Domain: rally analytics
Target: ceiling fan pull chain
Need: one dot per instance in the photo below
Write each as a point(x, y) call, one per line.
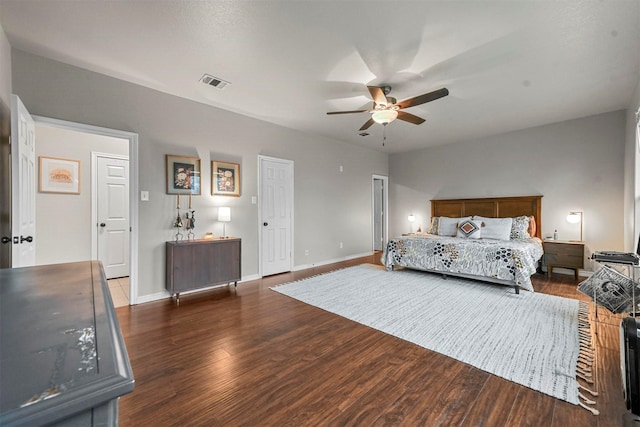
point(384, 133)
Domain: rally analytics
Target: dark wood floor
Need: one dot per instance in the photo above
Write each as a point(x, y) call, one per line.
point(254, 357)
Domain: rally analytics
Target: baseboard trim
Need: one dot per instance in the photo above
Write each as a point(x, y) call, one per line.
point(331, 261)
point(569, 272)
point(164, 295)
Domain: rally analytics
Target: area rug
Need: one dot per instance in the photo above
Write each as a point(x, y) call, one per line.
point(531, 339)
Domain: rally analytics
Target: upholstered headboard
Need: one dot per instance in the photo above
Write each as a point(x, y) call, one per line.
point(492, 207)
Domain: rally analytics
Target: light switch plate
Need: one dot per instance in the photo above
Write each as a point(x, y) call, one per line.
point(144, 196)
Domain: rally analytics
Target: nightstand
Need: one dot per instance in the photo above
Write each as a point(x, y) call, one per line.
point(564, 254)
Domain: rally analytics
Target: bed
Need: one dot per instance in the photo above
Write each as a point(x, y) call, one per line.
point(508, 259)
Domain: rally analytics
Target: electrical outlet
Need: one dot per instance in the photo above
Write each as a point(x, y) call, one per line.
point(341, 245)
point(306, 251)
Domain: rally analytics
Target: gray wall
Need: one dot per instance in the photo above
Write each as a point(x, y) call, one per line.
point(5, 68)
point(632, 176)
point(330, 207)
point(575, 165)
point(63, 221)
point(5, 157)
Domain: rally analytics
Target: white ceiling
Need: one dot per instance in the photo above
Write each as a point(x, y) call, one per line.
point(507, 64)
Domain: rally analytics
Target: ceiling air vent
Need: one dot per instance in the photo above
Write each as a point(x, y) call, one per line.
point(208, 79)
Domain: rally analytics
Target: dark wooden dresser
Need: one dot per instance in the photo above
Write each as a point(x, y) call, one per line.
point(63, 361)
point(197, 264)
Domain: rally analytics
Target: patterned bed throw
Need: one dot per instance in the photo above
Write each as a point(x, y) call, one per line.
point(511, 260)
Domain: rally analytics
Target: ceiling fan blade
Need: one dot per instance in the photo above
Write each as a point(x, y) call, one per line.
point(367, 125)
point(378, 95)
point(348, 112)
point(421, 99)
point(408, 117)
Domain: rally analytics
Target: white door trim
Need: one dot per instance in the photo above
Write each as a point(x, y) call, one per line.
point(385, 209)
point(133, 185)
point(291, 163)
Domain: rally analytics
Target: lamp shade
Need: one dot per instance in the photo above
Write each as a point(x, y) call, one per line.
point(574, 217)
point(224, 214)
point(411, 218)
point(384, 116)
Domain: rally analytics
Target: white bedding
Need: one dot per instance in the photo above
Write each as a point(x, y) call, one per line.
point(509, 261)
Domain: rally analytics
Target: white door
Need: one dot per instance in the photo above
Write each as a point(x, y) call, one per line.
point(23, 185)
point(276, 214)
point(379, 209)
point(378, 215)
point(113, 215)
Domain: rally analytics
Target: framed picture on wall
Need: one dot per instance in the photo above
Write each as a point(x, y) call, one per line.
point(225, 178)
point(183, 175)
point(59, 175)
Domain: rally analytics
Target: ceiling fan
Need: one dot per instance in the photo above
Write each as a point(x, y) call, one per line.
point(386, 109)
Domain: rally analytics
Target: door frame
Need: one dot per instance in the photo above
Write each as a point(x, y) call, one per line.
point(291, 234)
point(94, 198)
point(133, 187)
point(385, 209)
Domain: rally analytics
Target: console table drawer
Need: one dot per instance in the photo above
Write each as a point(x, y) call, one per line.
point(196, 264)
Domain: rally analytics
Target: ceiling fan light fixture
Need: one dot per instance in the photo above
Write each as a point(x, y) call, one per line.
point(384, 116)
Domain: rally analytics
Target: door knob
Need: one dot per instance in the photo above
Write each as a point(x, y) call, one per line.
point(265, 224)
point(28, 239)
point(6, 239)
point(102, 224)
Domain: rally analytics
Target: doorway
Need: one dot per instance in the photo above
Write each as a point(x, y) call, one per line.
point(110, 213)
point(379, 209)
point(84, 139)
point(275, 196)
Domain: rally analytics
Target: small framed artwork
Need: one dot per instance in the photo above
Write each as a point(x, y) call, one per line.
point(183, 175)
point(59, 175)
point(225, 179)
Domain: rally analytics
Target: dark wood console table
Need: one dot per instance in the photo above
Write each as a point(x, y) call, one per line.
point(197, 264)
point(62, 356)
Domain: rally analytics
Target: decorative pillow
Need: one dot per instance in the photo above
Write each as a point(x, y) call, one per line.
point(449, 226)
point(610, 289)
point(495, 228)
point(532, 226)
point(469, 228)
point(433, 228)
point(520, 227)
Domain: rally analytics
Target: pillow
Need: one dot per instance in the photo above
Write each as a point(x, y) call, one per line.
point(532, 226)
point(469, 228)
point(449, 226)
point(433, 228)
point(610, 289)
point(495, 228)
point(520, 227)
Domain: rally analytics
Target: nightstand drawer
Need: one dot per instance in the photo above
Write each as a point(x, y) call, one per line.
point(564, 260)
point(563, 249)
